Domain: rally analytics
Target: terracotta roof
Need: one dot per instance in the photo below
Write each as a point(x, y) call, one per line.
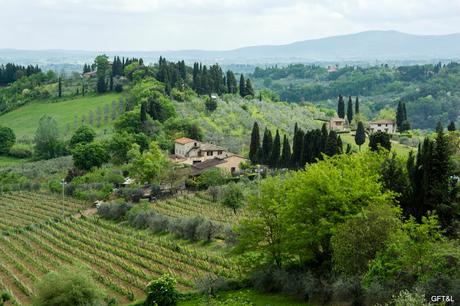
point(184, 140)
point(198, 168)
point(210, 147)
point(337, 119)
point(380, 121)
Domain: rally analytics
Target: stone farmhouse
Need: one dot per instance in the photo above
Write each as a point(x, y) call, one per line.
point(338, 124)
point(202, 156)
point(382, 125)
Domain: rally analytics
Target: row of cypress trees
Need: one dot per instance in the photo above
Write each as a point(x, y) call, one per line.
point(307, 147)
point(349, 110)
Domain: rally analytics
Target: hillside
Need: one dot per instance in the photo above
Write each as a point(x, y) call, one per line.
point(24, 120)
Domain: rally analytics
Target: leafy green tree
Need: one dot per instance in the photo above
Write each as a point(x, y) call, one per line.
point(341, 107)
point(149, 166)
point(102, 70)
point(211, 177)
point(83, 134)
point(254, 147)
point(128, 122)
point(379, 139)
point(350, 110)
point(47, 138)
point(233, 196)
point(89, 155)
point(162, 292)
point(356, 242)
point(7, 139)
point(119, 146)
point(360, 135)
point(68, 287)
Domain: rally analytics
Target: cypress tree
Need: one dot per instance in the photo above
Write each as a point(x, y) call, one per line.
point(111, 83)
point(59, 87)
point(267, 146)
point(331, 144)
point(451, 127)
point(341, 107)
point(242, 86)
point(324, 136)
point(286, 153)
point(143, 113)
point(360, 136)
point(400, 116)
point(350, 110)
point(297, 148)
point(379, 138)
point(276, 150)
point(357, 105)
point(307, 150)
point(339, 145)
point(255, 143)
point(249, 91)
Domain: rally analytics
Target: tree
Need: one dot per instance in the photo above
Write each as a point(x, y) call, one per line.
point(267, 147)
point(357, 105)
point(7, 139)
point(254, 147)
point(102, 70)
point(360, 135)
point(211, 177)
point(147, 167)
point(4, 297)
point(83, 134)
point(211, 104)
point(276, 151)
point(286, 153)
point(47, 138)
point(119, 146)
point(332, 147)
point(379, 139)
point(68, 287)
point(249, 91)
point(59, 87)
point(451, 127)
point(233, 196)
point(162, 292)
point(401, 117)
point(242, 86)
point(350, 110)
point(143, 114)
point(341, 107)
point(88, 155)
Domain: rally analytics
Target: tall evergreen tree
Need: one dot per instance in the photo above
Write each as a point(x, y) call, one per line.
point(324, 136)
point(276, 151)
point(402, 122)
point(267, 146)
point(350, 110)
point(242, 86)
point(451, 127)
point(286, 153)
point(255, 144)
point(297, 148)
point(339, 145)
point(379, 139)
point(360, 135)
point(143, 114)
point(341, 107)
point(248, 88)
point(59, 87)
point(357, 105)
point(331, 144)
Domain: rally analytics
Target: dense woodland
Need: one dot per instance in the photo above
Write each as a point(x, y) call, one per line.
point(429, 91)
point(309, 216)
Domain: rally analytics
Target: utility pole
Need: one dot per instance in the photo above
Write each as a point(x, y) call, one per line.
point(63, 183)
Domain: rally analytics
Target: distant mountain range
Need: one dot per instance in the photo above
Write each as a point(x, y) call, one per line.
point(364, 46)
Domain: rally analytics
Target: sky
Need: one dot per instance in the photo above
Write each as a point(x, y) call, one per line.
point(141, 25)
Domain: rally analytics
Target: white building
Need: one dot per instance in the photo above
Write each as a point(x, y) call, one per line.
point(382, 125)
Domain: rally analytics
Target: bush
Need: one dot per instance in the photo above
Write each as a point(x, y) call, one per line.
point(7, 139)
point(162, 292)
point(4, 297)
point(118, 88)
point(21, 151)
point(113, 211)
point(67, 287)
point(211, 284)
point(406, 298)
point(159, 223)
point(207, 230)
point(211, 177)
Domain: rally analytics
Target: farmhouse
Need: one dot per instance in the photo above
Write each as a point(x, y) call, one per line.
point(338, 124)
point(382, 125)
point(203, 156)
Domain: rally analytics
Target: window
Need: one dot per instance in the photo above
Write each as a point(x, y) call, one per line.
point(196, 161)
point(219, 152)
point(379, 124)
point(195, 144)
point(232, 169)
point(209, 153)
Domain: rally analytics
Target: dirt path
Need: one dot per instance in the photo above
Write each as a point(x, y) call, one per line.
point(86, 213)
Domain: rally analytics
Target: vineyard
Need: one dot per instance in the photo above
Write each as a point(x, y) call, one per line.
point(198, 204)
point(36, 239)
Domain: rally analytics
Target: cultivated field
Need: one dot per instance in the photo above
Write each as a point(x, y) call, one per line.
point(36, 239)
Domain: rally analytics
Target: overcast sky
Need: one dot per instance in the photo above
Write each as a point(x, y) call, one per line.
point(106, 25)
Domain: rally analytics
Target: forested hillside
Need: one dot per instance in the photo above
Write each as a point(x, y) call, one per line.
point(429, 91)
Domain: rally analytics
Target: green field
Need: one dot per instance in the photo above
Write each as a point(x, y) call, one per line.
point(10, 161)
point(24, 120)
point(400, 149)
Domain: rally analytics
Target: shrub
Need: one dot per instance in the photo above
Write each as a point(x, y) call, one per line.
point(207, 230)
point(211, 177)
point(159, 223)
point(67, 287)
point(118, 88)
point(4, 297)
point(21, 151)
point(211, 284)
point(113, 211)
point(162, 292)
point(7, 139)
point(83, 134)
point(406, 298)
